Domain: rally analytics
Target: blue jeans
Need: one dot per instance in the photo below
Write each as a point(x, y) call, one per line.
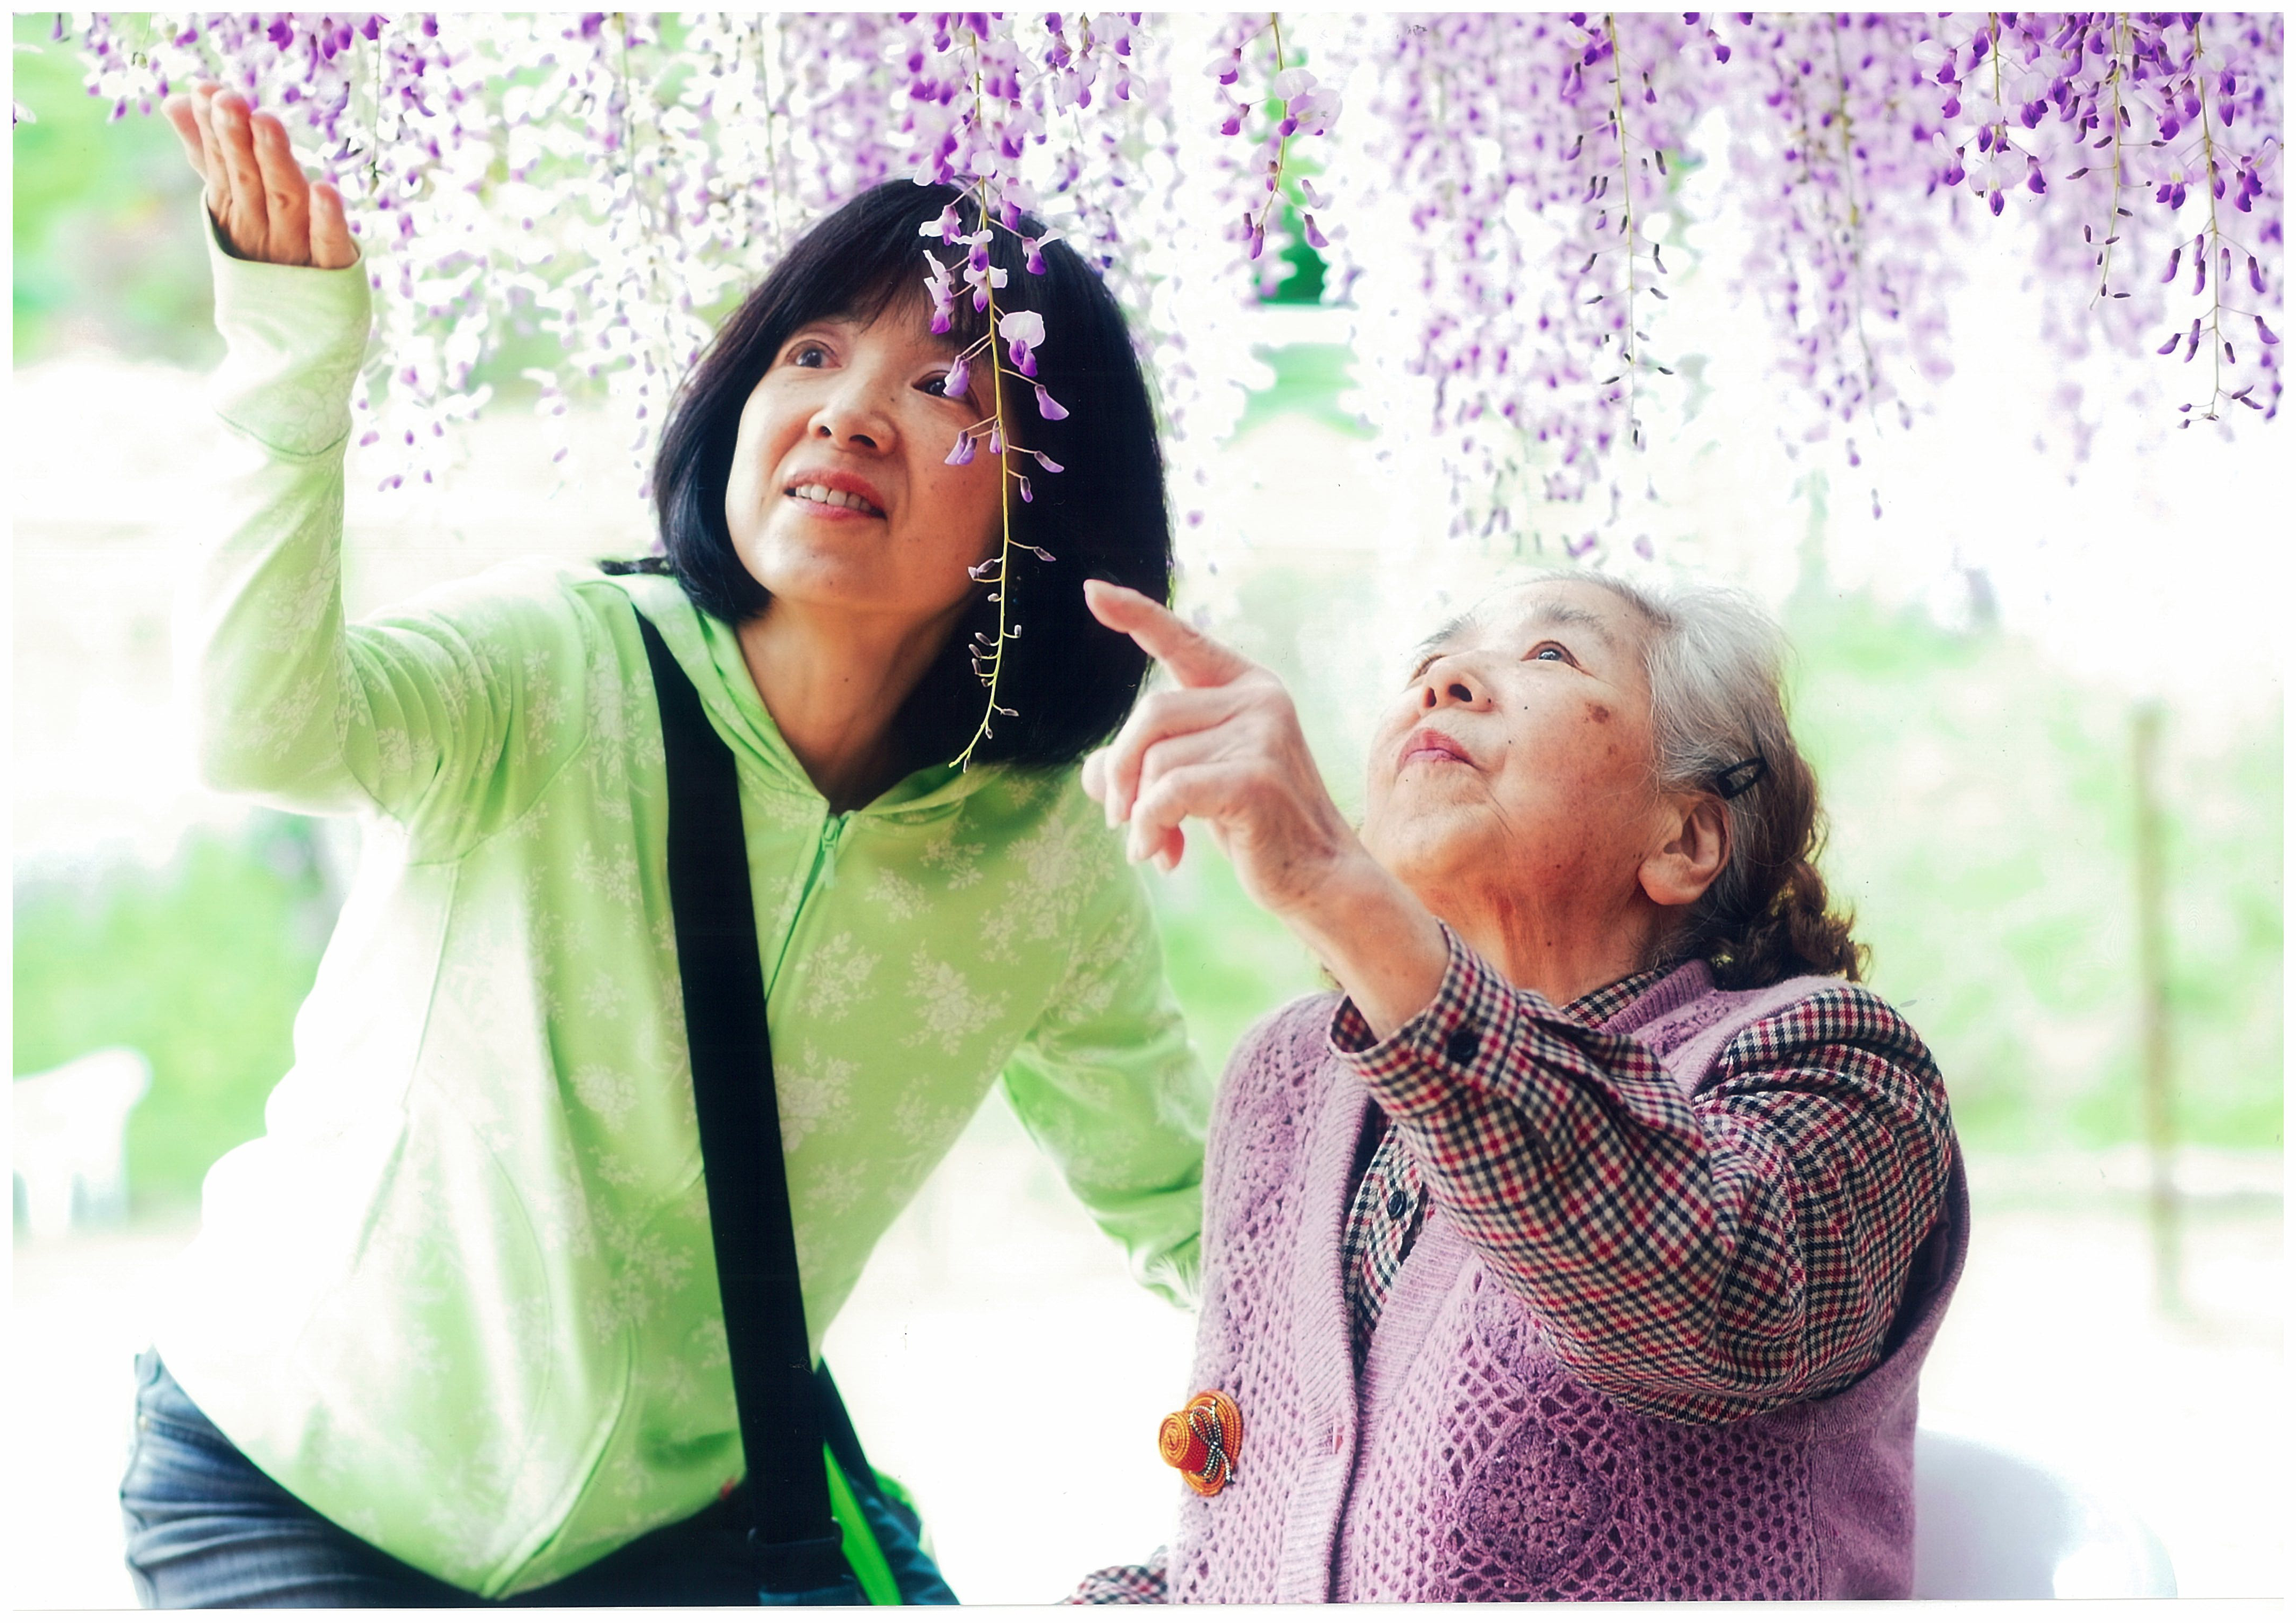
point(205, 1527)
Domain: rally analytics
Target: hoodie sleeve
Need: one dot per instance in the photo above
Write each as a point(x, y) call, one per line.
point(1109, 1087)
point(445, 717)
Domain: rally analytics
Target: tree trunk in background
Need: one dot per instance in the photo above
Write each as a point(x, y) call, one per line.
point(2155, 1071)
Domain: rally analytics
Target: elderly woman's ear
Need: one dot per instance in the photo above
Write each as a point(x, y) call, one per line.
point(1696, 844)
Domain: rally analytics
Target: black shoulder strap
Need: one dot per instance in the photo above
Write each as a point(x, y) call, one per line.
point(757, 1284)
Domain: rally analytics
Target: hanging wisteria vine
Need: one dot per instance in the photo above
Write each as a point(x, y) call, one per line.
point(1498, 205)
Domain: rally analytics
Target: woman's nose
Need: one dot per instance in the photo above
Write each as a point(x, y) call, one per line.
point(1455, 686)
point(852, 418)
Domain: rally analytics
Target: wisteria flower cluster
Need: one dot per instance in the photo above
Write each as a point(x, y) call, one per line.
point(1500, 202)
point(1249, 63)
point(1528, 157)
point(1508, 158)
point(977, 103)
point(2160, 136)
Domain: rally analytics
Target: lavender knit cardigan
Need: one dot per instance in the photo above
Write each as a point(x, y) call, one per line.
point(1468, 1463)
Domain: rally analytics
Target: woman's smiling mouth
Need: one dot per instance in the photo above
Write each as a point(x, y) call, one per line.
point(833, 499)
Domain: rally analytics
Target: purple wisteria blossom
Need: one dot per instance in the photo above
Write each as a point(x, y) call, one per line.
point(1496, 201)
point(1528, 157)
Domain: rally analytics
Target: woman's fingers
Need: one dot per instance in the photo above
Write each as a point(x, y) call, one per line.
point(331, 247)
point(247, 221)
point(1220, 775)
point(1179, 791)
point(1226, 746)
point(203, 114)
point(1193, 659)
point(261, 201)
point(286, 194)
point(1157, 718)
point(178, 111)
point(1149, 834)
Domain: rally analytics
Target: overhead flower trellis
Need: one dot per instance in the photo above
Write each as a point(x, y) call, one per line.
point(1493, 197)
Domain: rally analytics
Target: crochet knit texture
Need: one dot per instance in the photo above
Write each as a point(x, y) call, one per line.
point(1468, 1463)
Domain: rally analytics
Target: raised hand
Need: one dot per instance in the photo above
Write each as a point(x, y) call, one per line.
point(1224, 746)
point(265, 208)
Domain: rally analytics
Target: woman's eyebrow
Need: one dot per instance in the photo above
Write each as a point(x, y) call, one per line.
point(1567, 614)
point(1435, 640)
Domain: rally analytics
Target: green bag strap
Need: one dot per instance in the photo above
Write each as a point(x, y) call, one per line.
point(863, 1553)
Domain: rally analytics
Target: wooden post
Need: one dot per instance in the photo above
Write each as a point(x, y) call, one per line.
point(2155, 1067)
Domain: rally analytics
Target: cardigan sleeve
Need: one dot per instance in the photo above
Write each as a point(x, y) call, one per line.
point(1698, 1259)
point(1109, 1087)
point(447, 716)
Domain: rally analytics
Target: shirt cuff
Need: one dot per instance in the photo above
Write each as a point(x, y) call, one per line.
point(295, 336)
point(1460, 1040)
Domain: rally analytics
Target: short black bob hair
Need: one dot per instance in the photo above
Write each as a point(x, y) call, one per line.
point(1070, 679)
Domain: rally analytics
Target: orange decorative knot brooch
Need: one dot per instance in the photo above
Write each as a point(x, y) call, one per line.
point(1201, 1441)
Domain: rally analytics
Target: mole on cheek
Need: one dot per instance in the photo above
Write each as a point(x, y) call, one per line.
point(1599, 714)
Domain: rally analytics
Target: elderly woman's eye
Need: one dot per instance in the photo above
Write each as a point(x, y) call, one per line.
point(1550, 651)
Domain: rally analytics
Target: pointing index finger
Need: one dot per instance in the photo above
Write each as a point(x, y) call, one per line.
point(1193, 659)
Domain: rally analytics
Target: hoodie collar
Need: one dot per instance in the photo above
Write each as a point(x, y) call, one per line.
point(710, 652)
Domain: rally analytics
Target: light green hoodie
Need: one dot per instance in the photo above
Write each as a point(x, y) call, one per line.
point(459, 1298)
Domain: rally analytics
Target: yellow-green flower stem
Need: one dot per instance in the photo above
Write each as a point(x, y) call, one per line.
point(1003, 579)
point(1625, 217)
point(374, 135)
point(1857, 219)
point(1283, 142)
point(2000, 107)
point(773, 111)
point(2113, 215)
point(2215, 237)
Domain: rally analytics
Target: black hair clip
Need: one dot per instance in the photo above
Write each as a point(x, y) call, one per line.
point(1740, 777)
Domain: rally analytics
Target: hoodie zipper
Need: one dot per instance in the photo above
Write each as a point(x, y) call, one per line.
point(820, 875)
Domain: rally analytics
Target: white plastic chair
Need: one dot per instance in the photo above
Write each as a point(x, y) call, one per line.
point(1990, 1526)
point(70, 1145)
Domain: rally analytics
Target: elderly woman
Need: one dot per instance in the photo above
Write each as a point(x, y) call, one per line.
point(1587, 1245)
point(456, 1328)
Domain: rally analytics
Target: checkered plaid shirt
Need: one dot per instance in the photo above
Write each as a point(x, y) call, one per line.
point(1134, 1584)
point(1390, 1203)
point(1697, 1259)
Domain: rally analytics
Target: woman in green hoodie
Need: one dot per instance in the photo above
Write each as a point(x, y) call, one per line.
point(454, 1315)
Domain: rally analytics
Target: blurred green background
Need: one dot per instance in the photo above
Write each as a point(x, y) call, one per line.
point(1983, 798)
point(101, 254)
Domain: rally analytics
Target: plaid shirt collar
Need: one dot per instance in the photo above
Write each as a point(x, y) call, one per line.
point(1600, 1004)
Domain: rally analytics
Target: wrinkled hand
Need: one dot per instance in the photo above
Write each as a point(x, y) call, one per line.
point(1224, 746)
point(265, 208)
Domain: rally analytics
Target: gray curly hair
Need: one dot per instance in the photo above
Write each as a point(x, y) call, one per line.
point(1715, 661)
